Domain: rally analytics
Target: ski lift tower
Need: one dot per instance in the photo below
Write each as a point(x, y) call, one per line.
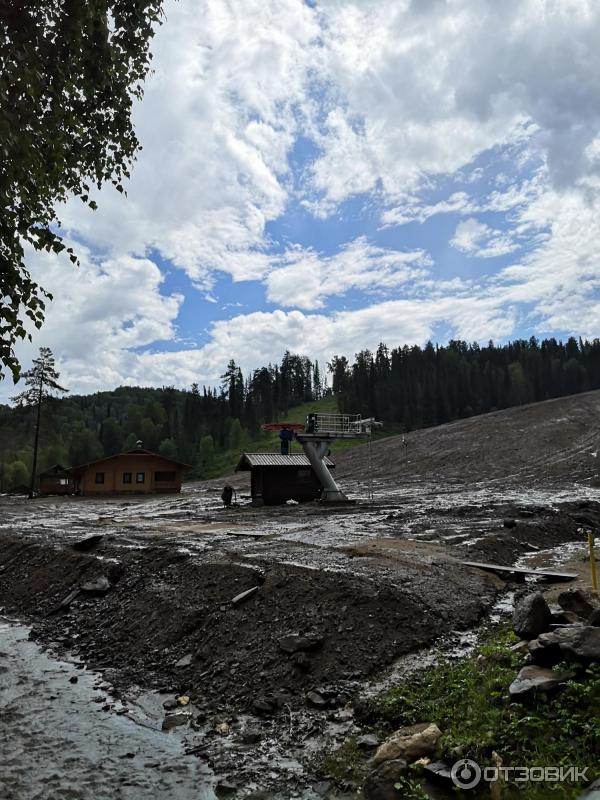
point(320, 431)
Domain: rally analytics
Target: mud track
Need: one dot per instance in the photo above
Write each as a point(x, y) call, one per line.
point(365, 583)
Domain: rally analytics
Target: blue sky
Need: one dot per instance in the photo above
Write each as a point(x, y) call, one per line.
point(324, 176)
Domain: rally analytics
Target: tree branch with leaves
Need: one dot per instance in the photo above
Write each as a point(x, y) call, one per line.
point(69, 74)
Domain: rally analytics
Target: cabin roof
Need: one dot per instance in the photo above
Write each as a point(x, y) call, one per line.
point(249, 461)
point(54, 470)
point(138, 451)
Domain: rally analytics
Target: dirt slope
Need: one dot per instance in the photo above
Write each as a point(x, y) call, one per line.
point(556, 441)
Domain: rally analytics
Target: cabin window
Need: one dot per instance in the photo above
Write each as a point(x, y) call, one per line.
point(127, 477)
point(140, 477)
point(99, 477)
point(164, 476)
point(63, 481)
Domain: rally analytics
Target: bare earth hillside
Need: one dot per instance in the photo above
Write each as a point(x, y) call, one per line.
point(556, 442)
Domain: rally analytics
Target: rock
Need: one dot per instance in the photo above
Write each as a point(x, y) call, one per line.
point(579, 641)
point(84, 545)
point(560, 617)
point(533, 679)
point(222, 728)
point(251, 736)
point(293, 642)
point(242, 596)
point(594, 618)
point(545, 650)
point(170, 704)
point(439, 771)
point(322, 788)
point(531, 616)
point(379, 784)
point(224, 788)
point(302, 661)
point(64, 603)
point(262, 706)
point(570, 618)
point(183, 700)
point(175, 720)
point(316, 700)
point(520, 647)
point(100, 585)
point(509, 523)
point(73, 679)
point(578, 601)
point(185, 661)
point(409, 743)
point(368, 741)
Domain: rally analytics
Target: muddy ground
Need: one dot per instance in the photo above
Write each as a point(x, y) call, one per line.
point(358, 586)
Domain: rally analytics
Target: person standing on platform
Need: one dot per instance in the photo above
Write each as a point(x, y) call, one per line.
point(285, 437)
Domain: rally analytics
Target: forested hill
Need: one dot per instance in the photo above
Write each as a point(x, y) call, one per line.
point(406, 387)
point(413, 387)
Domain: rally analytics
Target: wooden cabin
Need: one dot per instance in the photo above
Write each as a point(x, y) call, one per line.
point(137, 471)
point(275, 478)
point(56, 480)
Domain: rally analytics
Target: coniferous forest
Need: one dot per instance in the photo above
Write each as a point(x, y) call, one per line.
point(405, 387)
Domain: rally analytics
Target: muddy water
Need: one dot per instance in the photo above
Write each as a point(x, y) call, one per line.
point(56, 743)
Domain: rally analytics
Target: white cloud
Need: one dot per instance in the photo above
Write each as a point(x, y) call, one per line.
point(560, 277)
point(478, 239)
point(217, 121)
point(421, 90)
point(101, 311)
point(306, 278)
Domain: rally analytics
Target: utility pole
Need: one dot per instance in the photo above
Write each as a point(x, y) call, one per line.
point(36, 443)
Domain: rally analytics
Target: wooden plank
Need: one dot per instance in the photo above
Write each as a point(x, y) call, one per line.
point(522, 571)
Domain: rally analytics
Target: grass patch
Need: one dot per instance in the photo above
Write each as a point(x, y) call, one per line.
point(469, 702)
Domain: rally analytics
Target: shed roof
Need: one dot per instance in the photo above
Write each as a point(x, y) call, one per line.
point(250, 460)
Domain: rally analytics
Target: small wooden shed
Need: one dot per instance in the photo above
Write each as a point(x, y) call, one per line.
point(56, 480)
point(275, 478)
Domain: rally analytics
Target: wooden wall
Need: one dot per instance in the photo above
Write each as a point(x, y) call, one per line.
point(114, 469)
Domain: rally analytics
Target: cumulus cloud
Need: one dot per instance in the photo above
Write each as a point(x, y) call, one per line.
point(306, 278)
point(219, 116)
point(423, 89)
point(101, 313)
point(478, 239)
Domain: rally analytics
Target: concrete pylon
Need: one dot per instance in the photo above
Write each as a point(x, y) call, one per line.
point(316, 451)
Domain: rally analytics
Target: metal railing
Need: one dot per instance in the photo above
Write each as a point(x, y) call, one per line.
point(334, 423)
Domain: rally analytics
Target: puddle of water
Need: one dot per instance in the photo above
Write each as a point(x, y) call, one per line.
point(57, 742)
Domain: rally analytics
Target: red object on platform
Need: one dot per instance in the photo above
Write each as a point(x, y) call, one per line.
point(279, 426)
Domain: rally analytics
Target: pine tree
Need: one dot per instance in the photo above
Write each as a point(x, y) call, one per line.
point(41, 381)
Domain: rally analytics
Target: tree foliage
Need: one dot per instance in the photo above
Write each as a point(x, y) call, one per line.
point(41, 380)
point(414, 387)
point(69, 73)
point(42, 383)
